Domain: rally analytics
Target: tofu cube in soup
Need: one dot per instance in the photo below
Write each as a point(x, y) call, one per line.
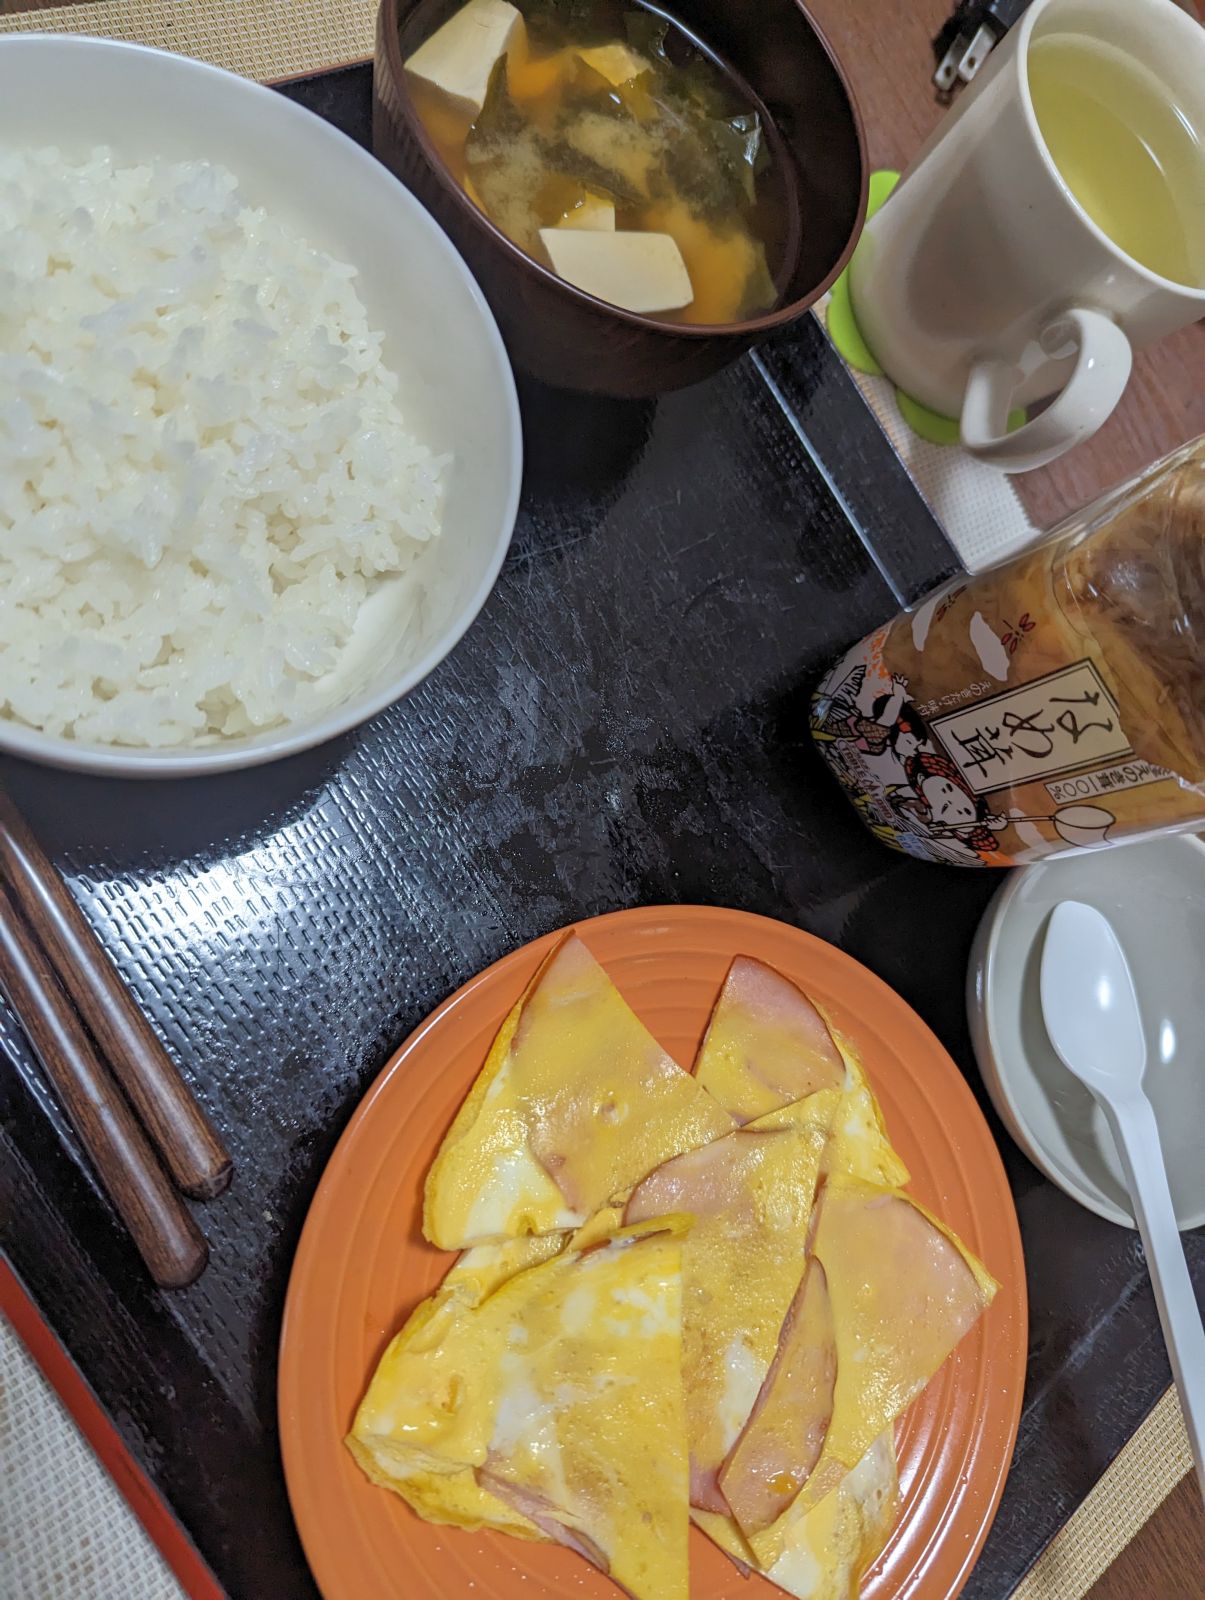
point(640, 272)
point(458, 58)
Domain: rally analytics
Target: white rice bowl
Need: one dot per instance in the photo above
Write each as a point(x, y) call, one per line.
point(204, 470)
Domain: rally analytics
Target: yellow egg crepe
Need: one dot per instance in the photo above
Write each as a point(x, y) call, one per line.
point(561, 1392)
point(899, 1292)
point(386, 1443)
point(768, 1045)
point(575, 1104)
point(750, 1195)
point(608, 1220)
point(827, 1549)
point(476, 1273)
point(859, 1147)
point(451, 1494)
point(679, 1296)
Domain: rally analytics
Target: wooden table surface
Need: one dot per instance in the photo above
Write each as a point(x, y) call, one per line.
point(884, 45)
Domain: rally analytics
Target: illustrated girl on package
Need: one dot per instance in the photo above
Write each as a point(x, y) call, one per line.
point(942, 801)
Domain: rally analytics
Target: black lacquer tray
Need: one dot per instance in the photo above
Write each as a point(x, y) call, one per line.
point(625, 724)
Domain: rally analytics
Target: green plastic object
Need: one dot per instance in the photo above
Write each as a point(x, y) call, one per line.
point(843, 330)
point(930, 425)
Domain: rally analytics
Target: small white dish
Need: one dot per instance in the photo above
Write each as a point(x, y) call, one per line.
point(440, 339)
point(1154, 895)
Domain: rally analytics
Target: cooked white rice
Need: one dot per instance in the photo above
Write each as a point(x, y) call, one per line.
point(204, 470)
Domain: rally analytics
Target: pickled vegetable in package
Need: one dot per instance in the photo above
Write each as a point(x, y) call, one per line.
point(1052, 704)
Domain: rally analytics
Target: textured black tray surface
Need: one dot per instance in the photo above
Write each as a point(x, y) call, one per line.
point(624, 725)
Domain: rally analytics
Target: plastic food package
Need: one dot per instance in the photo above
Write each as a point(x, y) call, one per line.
point(1054, 703)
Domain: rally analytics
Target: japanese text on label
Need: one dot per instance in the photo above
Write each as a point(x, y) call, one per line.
point(1060, 724)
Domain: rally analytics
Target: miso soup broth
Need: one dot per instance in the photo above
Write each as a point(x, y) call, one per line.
point(607, 143)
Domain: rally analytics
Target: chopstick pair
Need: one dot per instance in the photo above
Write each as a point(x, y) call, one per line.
point(90, 1036)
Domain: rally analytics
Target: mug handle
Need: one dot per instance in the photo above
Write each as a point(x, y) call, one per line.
point(1097, 381)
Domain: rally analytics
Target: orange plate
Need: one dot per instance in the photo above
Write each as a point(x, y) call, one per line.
point(363, 1264)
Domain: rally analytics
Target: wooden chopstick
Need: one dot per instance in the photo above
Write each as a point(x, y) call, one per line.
point(194, 1154)
point(168, 1239)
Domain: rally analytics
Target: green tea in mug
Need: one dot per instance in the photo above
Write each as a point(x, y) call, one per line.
point(1127, 152)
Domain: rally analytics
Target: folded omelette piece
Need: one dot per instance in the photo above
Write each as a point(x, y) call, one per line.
point(828, 1548)
point(384, 1437)
point(887, 1295)
point(767, 1045)
point(860, 1147)
point(750, 1195)
point(561, 1393)
point(576, 1102)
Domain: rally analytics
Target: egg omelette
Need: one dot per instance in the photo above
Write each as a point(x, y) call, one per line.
point(386, 1444)
point(576, 1102)
point(750, 1194)
point(886, 1295)
point(803, 1329)
point(827, 1548)
point(560, 1391)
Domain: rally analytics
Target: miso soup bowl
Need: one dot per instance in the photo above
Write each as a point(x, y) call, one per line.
point(566, 337)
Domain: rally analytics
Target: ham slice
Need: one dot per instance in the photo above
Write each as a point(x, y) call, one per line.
point(782, 1441)
point(766, 1044)
point(545, 1515)
point(750, 1195)
point(903, 1292)
point(575, 1103)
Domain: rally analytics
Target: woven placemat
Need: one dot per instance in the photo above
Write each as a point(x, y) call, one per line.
point(264, 39)
point(65, 1531)
point(1144, 1473)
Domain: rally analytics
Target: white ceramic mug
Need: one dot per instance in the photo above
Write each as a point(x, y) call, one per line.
point(982, 283)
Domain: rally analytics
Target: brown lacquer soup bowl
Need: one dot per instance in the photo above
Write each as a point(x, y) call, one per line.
point(566, 337)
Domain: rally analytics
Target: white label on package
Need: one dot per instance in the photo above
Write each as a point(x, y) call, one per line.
point(1064, 723)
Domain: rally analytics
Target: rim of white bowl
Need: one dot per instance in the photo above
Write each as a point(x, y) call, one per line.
point(981, 1018)
point(191, 761)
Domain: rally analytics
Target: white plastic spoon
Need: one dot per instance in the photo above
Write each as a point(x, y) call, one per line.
point(1093, 1020)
